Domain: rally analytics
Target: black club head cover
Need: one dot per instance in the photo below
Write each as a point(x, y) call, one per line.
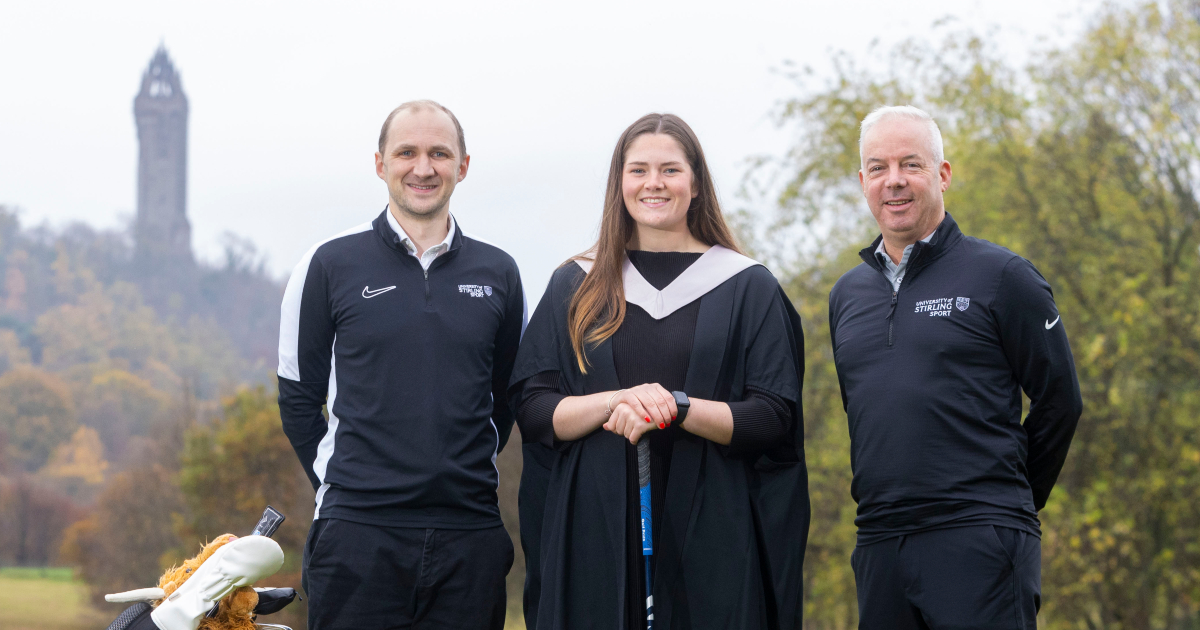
point(273, 600)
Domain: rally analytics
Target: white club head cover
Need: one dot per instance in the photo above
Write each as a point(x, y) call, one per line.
point(137, 595)
point(239, 563)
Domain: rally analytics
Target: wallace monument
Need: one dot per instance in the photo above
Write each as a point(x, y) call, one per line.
point(239, 296)
point(162, 235)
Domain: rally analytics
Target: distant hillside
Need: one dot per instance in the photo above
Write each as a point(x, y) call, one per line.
point(43, 269)
point(104, 365)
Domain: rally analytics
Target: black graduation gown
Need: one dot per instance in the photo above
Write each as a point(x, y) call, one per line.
point(733, 534)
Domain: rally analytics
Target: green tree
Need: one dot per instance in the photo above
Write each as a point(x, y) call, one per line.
point(1086, 163)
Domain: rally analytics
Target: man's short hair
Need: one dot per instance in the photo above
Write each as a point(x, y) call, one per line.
point(911, 113)
point(418, 105)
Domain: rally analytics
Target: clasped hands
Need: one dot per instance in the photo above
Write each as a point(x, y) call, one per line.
point(640, 409)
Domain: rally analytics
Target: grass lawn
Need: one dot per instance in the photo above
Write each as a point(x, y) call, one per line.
point(47, 599)
point(51, 599)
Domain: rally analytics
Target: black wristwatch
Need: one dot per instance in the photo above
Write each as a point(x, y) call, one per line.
point(682, 402)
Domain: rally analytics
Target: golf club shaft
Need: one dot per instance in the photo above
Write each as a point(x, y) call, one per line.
point(643, 455)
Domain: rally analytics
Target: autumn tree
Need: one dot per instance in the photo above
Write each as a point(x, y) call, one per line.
point(78, 466)
point(129, 538)
point(234, 467)
point(1086, 163)
point(33, 515)
point(122, 407)
point(36, 414)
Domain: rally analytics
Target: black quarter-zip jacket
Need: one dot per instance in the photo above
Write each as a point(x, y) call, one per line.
point(413, 365)
point(931, 378)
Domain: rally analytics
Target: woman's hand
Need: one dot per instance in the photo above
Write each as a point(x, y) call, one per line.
point(640, 409)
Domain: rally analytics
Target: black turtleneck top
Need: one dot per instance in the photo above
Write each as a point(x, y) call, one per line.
point(648, 350)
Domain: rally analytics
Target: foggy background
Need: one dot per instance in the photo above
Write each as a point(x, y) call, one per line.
point(138, 403)
point(286, 101)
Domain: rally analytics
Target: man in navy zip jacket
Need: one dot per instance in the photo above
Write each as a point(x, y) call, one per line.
point(935, 336)
point(406, 330)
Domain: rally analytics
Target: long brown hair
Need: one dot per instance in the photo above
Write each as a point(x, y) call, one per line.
point(598, 307)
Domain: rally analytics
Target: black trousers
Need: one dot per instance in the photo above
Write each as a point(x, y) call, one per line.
point(979, 577)
point(365, 576)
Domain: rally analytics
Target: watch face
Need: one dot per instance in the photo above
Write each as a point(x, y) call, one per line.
point(681, 399)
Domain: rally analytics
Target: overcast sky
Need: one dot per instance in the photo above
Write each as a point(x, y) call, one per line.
point(286, 101)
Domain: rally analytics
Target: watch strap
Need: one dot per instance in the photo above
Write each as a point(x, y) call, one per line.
point(683, 404)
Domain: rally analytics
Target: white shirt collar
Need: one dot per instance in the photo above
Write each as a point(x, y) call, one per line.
point(432, 252)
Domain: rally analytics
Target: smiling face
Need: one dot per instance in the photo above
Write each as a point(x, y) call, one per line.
point(657, 183)
point(421, 162)
point(902, 180)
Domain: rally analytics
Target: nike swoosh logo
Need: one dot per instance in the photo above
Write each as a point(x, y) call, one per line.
point(368, 293)
point(1050, 324)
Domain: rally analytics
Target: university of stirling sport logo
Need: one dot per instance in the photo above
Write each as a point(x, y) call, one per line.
point(942, 307)
point(475, 290)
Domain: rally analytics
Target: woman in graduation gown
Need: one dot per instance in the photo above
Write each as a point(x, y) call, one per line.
point(663, 303)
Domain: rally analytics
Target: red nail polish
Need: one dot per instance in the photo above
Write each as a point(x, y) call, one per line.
point(647, 419)
point(672, 417)
point(661, 425)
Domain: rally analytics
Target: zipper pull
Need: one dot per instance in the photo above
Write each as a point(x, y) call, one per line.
point(892, 311)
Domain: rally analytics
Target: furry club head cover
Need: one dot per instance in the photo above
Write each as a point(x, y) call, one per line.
point(220, 578)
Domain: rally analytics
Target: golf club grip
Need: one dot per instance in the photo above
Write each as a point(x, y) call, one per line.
point(643, 455)
point(270, 521)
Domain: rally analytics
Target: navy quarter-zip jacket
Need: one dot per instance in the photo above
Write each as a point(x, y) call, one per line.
point(413, 367)
point(931, 378)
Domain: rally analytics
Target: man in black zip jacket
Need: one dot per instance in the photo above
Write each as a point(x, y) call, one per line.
point(406, 330)
point(935, 336)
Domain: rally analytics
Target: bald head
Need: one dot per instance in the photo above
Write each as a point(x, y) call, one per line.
point(423, 105)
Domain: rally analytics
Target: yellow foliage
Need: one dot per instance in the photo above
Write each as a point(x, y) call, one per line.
point(12, 353)
point(81, 457)
point(36, 414)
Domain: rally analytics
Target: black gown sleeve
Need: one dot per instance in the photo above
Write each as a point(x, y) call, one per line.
point(540, 395)
point(760, 422)
point(774, 369)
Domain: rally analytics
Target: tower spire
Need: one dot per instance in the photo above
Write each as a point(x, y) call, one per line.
point(163, 235)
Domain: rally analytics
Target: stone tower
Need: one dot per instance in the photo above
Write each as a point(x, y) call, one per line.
point(163, 235)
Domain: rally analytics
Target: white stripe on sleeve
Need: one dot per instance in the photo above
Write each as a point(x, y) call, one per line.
point(326, 447)
point(289, 311)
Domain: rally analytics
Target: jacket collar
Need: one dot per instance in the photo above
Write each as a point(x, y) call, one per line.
point(392, 239)
point(947, 236)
